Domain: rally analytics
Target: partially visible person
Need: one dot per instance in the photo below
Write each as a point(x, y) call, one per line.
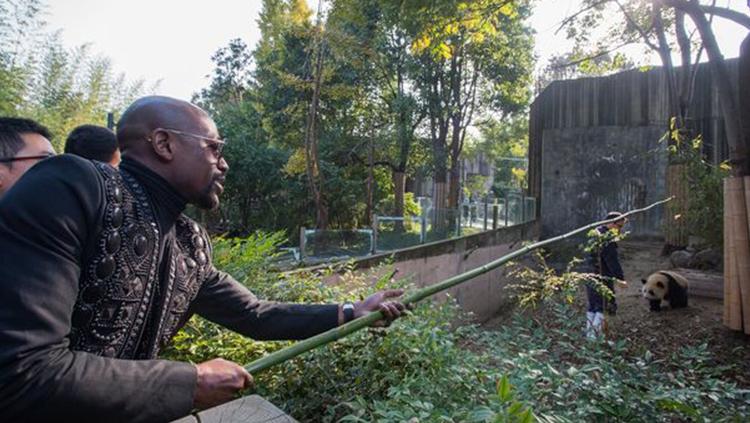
point(23, 142)
point(94, 143)
point(605, 262)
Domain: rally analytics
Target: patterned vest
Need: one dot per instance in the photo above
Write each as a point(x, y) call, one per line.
point(122, 309)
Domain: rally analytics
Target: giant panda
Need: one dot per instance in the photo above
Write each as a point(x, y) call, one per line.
point(665, 286)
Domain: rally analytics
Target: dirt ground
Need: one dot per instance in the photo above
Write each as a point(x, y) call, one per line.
point(663, 333)
point(666, 331)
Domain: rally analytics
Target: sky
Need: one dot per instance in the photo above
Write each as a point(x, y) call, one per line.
point(172, 41)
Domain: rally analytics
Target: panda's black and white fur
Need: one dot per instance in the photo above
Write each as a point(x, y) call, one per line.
point(665, 286)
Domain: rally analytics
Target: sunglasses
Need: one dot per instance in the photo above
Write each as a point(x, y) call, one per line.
point(19, 158)
point(216, 144)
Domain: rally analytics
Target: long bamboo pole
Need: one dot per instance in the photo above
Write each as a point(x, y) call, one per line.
point(308, 344)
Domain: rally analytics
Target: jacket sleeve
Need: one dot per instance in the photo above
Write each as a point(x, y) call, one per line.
point(226, 302)
point(612, 261)
point(45, 223)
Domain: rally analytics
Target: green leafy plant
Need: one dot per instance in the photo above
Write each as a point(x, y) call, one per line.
point(435, 367)
point(505, 407)
point(705, 205)
point(540, 282)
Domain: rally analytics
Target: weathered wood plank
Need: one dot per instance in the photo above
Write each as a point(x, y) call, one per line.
point(703, 284)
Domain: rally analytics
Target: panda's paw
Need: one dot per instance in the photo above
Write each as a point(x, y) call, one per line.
point(655, 305)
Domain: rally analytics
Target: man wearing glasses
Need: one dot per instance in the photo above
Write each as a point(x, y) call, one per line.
point(23, 143)
point(100, 268)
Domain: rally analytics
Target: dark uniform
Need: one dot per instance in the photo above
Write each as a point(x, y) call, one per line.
point(605, 262)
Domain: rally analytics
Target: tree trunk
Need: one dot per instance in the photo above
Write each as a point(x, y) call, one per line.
point(440, 173)
point(370, 180)
point(738, 148)
point(314, 174)
point(399, 183)
point(454, 186)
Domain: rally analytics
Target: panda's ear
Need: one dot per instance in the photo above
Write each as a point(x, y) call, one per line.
point(643, 281)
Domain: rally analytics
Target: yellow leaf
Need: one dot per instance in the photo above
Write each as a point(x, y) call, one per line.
point(508, 10)
point(477, 37)
point(421, 43)
point(443, 51)
point(451, 29)
point(297, 163)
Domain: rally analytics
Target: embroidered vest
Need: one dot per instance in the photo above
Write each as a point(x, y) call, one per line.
point(122, 309)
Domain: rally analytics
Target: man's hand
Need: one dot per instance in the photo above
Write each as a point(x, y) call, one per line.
point(218, 382)
point(383, 301)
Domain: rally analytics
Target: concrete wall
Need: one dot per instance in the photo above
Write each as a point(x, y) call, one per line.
point(590, 171)
point(594, 145)
point(435, 262)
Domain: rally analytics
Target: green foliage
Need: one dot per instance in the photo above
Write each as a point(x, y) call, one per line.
point(353, 379)
point(504, 142)
point(429, 367)
point(59, 87)
point(705, 206)
point(540, 282)
point(386, 206)
point(568, 379)
point(505, 408)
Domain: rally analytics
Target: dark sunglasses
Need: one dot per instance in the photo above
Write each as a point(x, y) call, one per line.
point(15, 159)
point(216, 144)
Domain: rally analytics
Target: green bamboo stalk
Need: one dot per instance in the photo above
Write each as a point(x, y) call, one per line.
point(308, 344)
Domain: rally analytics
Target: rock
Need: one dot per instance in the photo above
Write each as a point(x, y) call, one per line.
point(680, 258)
point(696, 242)
point(707, 259)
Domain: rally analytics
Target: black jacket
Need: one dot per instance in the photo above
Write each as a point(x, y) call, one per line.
point(606, 261)
point(99, 269)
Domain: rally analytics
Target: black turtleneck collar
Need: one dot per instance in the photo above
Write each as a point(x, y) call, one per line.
point(167, 203)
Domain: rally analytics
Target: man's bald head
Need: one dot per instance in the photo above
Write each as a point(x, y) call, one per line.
point(149, 113)
point(179, 142)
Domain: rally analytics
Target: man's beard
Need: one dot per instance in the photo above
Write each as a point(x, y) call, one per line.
point(209, 198)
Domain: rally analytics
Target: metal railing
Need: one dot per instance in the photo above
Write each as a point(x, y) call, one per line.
point(389, 233)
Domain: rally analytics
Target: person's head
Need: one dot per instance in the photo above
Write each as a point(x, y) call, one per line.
point(617, 224)
point(94, 143)
point(23, 143)
point(180, 142)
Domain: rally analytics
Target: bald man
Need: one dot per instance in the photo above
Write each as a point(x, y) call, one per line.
point(101, 268)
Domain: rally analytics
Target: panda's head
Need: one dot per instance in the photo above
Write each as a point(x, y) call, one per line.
point(655, 287)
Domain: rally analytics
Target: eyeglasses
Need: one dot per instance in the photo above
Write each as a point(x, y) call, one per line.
point(216, 144)
point(15, 159)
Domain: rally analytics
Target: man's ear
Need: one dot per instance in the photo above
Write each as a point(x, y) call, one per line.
point(161, 143)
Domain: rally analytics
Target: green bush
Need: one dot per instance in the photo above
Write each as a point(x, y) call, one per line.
point(428, 368)
point(569, 379)
point(705, 205)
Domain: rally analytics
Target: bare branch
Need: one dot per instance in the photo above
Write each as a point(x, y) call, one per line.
point(594, 56)
point(723, 12)
point(637, 27)
point(578, 13)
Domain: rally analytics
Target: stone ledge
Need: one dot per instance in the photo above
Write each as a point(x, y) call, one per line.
point(249, 409)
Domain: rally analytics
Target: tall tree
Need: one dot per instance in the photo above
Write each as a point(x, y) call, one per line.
point(373, 35)
point(474, 56)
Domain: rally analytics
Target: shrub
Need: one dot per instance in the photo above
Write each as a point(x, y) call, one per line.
point(428, 368)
